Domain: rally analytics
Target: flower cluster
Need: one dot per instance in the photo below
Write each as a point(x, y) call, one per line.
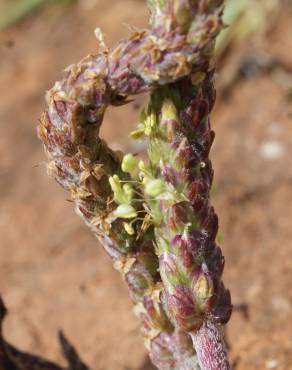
point(152, 217)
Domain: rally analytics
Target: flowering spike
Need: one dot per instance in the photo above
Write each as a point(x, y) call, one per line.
point(176, 51)
point(190, 263)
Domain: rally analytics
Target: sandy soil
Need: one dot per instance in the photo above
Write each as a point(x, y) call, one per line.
point(52, 272)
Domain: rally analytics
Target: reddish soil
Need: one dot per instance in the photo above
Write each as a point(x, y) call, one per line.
point(52, 272)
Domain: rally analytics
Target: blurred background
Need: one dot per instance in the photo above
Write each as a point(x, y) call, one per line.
point(52, 272)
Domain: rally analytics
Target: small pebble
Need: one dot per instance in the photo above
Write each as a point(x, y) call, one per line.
point(272, 150)
point(280, 304)
point(272, 364)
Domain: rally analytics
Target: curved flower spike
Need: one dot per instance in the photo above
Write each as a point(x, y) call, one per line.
point(179, 44)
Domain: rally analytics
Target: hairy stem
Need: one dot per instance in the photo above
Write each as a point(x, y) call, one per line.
point(209, 344)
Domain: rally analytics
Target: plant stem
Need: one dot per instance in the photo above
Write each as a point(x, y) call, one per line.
point(209, 344)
